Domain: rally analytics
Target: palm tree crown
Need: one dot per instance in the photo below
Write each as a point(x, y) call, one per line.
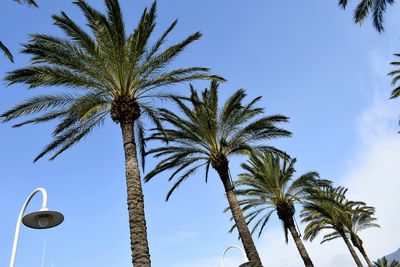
point(377, 8)
point(360, 218)
point(328, 208)
point(357, 217)
point(384, 263)
point(207, 135)
point(268, 186)
point(112, 73)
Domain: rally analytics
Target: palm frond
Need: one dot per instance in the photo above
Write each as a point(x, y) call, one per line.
point(6, 52)
point(379, 11)
point(28, 2)
point(106, 64)
point(268, 185)
point(203, 131)
point(328, 208)
point(385, 263)
point(375, 8)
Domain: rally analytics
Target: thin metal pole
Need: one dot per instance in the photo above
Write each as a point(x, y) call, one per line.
point(19, 221)
point(44, 252)
point(233, 246)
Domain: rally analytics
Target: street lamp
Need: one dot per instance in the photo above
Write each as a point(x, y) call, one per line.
point(246, 261)
point(42, 219)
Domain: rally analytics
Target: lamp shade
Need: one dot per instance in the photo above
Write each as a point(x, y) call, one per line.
point(43, 219)
point(246, 264)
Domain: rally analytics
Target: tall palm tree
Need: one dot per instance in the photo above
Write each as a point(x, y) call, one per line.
point(4, 48)
point(376, 8)
point(384, 263)
point(268, 186)
point(205, 135)
point(327, 209)
point(361, 218)
point(117, 74)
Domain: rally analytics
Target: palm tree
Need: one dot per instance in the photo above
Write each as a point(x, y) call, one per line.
point(361, 218)
point(268, 187)
point(207, 136)
point(362, 221)
point(4, 48)
point(117, 74)
point(367, 7)
point(384, 263)
point(328, 209)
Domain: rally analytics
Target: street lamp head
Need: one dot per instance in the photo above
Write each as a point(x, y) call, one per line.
point(246, 264)
point(43, 219)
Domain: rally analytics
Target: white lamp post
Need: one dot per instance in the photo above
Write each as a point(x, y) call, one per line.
point(42, 219)
point(246, 261)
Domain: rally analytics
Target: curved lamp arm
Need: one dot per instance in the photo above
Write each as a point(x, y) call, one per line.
point(21, 215)
point(231, 247)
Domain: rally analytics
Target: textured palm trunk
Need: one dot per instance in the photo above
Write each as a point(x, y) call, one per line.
point(137, 220)
point(357, 242)
point(244, 233)
point(300, 246)
point(351, 249)
point(362, 251)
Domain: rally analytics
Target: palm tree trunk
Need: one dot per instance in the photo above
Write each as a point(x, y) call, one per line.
point(351, 249)
point(241, 224)
point(137, 220)
point(362, 251)
point(357, 242)
point(300, 246)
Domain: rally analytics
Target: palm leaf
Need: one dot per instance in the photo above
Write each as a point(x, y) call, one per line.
point(106, 65)
point(6, 52)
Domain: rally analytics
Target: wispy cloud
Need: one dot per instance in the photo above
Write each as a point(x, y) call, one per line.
point(373, 175)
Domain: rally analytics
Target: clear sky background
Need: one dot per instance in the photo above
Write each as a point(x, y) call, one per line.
point(308, 61)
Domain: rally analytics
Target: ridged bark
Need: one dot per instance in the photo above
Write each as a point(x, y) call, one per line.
point(351, 249)
point(241, 224)
point(137, 220)
point(300, 246)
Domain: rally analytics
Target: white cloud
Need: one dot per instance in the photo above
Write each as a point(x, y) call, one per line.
point(373, 175)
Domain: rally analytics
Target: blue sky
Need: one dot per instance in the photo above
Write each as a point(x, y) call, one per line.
point(308, 61)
